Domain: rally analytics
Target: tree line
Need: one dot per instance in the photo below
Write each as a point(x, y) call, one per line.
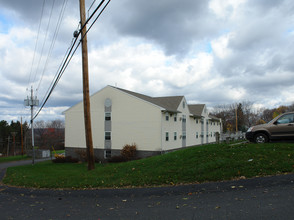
point(47, 135)
point(241, 116)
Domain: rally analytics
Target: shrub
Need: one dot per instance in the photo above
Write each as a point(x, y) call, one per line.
point(82, 154)
point(129, 151)
point(64, 159)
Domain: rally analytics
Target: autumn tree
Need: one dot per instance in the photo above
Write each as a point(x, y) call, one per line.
point(49, 134)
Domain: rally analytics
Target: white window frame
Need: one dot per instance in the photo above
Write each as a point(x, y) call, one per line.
point(166, 136)
point(105, 135)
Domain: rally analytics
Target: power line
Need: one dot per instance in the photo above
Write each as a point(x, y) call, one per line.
point(42, 11)
point(54, 39)
point(69, 55)
point(91, 6)
point(45, 40)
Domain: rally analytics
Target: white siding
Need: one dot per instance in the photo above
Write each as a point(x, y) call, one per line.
point(133, 121)
point(171, 126)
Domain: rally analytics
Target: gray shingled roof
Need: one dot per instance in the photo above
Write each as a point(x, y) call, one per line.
point(196, 109)
point(214, 118)
point(169, 103)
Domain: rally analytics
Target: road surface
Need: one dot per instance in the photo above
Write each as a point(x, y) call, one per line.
point(258, 198)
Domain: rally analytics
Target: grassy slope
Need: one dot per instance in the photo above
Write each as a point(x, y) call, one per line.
point(13, 158)
point(191, 165)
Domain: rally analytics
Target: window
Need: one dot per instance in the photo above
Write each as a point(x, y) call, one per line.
point(166, 116)
point(107, 154)
point(175, 136)
point(184, 118)
point(197, 135)
point(166, 136)
point(196, 121)
point(107, 116)
point(107, 135)
point(286, 119)
point(175, 117)
point(184, 104)
point(184, 135)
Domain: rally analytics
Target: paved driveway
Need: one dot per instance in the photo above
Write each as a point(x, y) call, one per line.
point(258, 198)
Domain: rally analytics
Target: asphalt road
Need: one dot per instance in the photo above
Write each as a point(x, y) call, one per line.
point(258, 198)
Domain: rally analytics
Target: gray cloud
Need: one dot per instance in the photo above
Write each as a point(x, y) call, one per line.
point(175, 25)
point(156, 48)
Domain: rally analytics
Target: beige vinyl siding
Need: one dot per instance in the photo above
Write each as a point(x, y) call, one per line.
point(133, 121)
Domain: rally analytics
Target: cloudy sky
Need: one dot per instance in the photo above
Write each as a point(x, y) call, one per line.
point(212, 52)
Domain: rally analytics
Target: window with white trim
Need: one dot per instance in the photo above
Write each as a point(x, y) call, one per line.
point(107, 116)
point(107, 135)
point(184, 135)
point(166, 136)
point(166, 116)
point(175, 136)
point(107, 154)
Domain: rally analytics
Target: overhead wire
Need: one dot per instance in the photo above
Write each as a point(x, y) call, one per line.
point(69, 55)
point(91, 6)
point(37, 39)
point(61, 14)
point(45, 40)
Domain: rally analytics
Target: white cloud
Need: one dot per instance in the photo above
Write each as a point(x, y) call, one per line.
point(226, 9)
point(220, 46)
point(213, 52)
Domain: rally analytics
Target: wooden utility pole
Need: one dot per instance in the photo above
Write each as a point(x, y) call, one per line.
point(87, 114)
point(13, 146)
point(237, 118)
point(8, 146)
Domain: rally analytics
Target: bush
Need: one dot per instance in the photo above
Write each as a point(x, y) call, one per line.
point(129, 151)
point(64, 159)
point(82, 154)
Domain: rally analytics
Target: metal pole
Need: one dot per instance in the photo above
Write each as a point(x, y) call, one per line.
point(32, 124)
point(87, 114)
point(21, 136)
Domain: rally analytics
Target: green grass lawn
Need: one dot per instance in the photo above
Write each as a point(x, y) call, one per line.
point(14, 158)
point(191, 165)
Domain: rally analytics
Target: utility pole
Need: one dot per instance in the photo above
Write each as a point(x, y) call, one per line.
point(21, 136)
point(8, 146)
point(32, 101)
point(237, 119)
point(86, 97)
point(13, 146)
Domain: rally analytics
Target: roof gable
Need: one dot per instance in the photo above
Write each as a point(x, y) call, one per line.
point(196, 109)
